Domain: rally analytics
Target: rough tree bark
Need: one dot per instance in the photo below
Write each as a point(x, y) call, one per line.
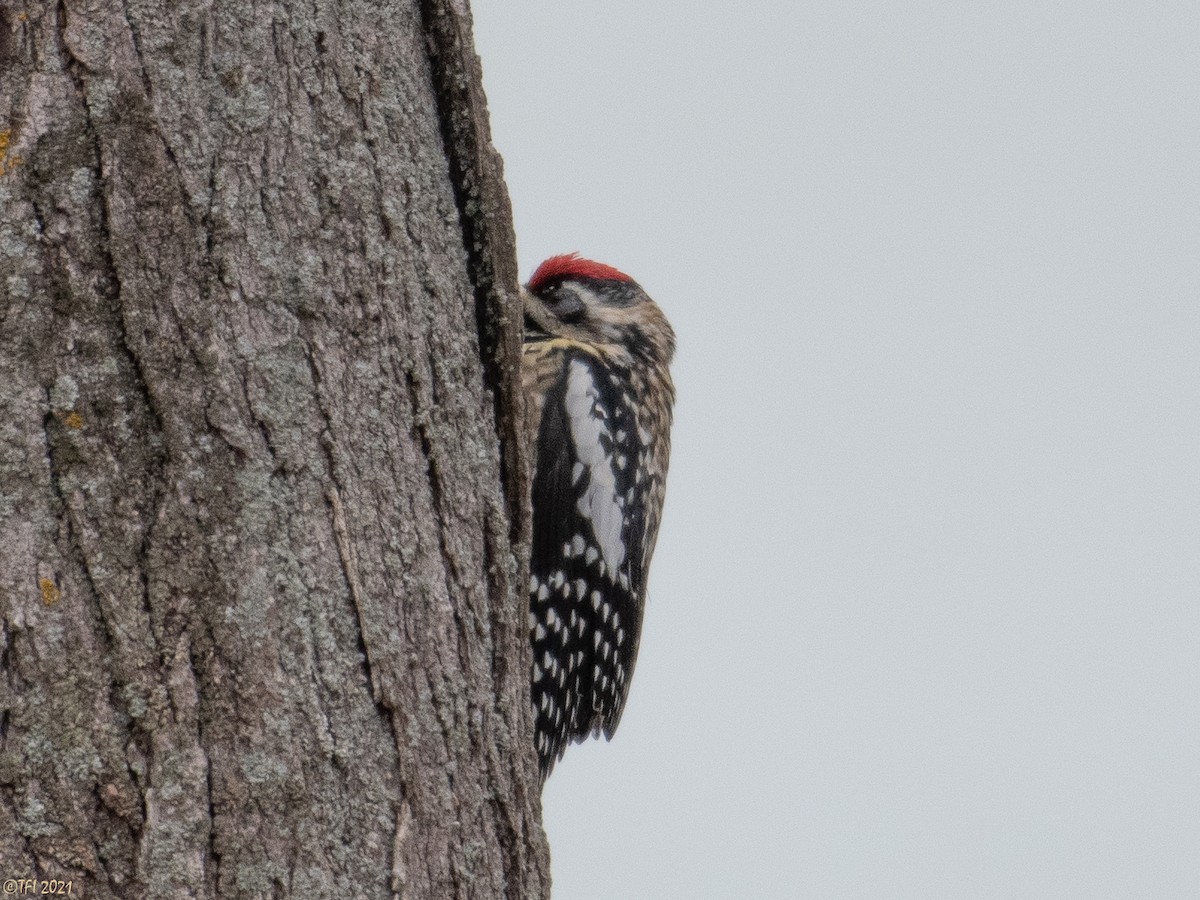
point(260, 549)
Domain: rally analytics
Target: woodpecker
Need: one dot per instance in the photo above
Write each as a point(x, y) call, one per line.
point(598, 401)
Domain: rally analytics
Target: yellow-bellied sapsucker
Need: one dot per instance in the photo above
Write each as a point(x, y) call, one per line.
point(598, 400)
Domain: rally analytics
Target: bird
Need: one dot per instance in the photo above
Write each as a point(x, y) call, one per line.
point(599, 400)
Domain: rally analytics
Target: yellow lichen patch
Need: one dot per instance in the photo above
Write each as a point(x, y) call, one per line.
point(50, 591)
point(7, 162)
point(74, 420)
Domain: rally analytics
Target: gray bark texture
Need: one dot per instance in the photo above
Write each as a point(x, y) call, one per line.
point(262, 506)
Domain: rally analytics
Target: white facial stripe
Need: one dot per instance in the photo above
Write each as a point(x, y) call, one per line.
point(585, 295)
point(599, 503)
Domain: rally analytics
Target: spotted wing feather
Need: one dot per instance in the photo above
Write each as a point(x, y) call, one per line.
point(590, 553)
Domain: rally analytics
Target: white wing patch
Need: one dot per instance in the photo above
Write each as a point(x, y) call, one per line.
point(599, 504)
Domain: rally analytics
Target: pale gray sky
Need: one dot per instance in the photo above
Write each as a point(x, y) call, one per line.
point(925, 614)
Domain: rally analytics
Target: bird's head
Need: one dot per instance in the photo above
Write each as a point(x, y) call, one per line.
point(593, 303)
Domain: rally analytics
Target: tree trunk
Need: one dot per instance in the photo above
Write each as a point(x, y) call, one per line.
point(260, 552)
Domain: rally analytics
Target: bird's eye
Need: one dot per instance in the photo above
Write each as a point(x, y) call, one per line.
point(566, 305)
